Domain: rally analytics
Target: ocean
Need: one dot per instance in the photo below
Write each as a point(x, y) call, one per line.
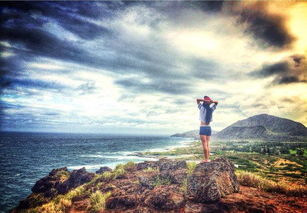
point(27, 157)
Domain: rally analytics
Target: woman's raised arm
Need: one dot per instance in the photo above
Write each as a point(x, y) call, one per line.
point(199, 100)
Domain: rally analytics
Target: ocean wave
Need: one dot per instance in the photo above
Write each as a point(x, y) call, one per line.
point(87, 167)
point(118, 157)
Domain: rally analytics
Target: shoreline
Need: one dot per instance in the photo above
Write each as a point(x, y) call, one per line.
point(141, 156)
point(83, 156)
point(171, 153)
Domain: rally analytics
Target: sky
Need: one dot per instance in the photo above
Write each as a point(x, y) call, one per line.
point(125, 67)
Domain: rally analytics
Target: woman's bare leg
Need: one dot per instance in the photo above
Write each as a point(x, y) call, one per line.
point(208, 145)
point(204, 142)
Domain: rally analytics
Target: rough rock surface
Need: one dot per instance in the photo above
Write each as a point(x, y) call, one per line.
point(165, 198)
point(49, 184)
point(76, 178)
point(103, 169)
point(213, 180)
point(58, 181)
point(169, 187)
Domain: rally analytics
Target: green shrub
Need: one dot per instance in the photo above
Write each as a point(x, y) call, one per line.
point(129, 166)
point(98, 200)
point(63, 175)
point(161, 181)
point(249, 179)
point(184, 185)
point(119, 166)
point(119, 172)
point(191, 166)
point(108, 175)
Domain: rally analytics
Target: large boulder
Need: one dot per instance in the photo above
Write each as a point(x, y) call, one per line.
point(122, 202)
point(47, 185)
point(163, 164)
point(103, 169)
point(174, 176)
point(45, 189)
point(60, 181)
point(76, 178)
point(166, 170)
point(165, 198)
point(168, 165)
point(148, 179)
point(146, 164)
point(212, 180)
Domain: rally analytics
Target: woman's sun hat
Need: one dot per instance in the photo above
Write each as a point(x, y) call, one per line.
point(206, 98)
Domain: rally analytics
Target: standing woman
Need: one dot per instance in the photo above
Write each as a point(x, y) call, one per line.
point(206, 109)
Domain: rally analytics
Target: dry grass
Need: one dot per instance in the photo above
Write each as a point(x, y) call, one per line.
point(60, 203)
point(250, 179)
point(191, 166)
point(98, 200)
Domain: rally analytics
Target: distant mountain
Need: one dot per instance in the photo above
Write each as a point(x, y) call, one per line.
point(188, 134)
point(263, 126)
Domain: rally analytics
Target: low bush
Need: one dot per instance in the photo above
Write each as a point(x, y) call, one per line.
point(98, 200)
point(249, 179)
point(191, 166)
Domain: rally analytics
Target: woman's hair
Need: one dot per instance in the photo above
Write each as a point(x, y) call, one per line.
point(206, 103)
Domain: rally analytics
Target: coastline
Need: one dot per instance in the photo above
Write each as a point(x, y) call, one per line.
point(176, 152)
point(71, 151)
point(140, 156)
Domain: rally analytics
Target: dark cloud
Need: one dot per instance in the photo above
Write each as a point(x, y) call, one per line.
point(6, 105)
point(70, 15)
point(272, 69)
point(169, 86)
point(288, 80)
point(30, 117)
point(266, 27)
point(204, 69)
point(173, 8)
point(25, 26)
point(298, 60)
point(40, 42)
point(214, 6)
point(289, 100)
point(24, 30)
point(4, 71)
point(290, 70)
point(38, 84)
point(22, 25)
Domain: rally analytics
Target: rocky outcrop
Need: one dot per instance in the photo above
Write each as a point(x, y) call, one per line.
point(155, 186)
point(58, 181)
point(213, 180)
point(76, 178)
point(50, 184)
point(166, 197)
point(103, 169)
